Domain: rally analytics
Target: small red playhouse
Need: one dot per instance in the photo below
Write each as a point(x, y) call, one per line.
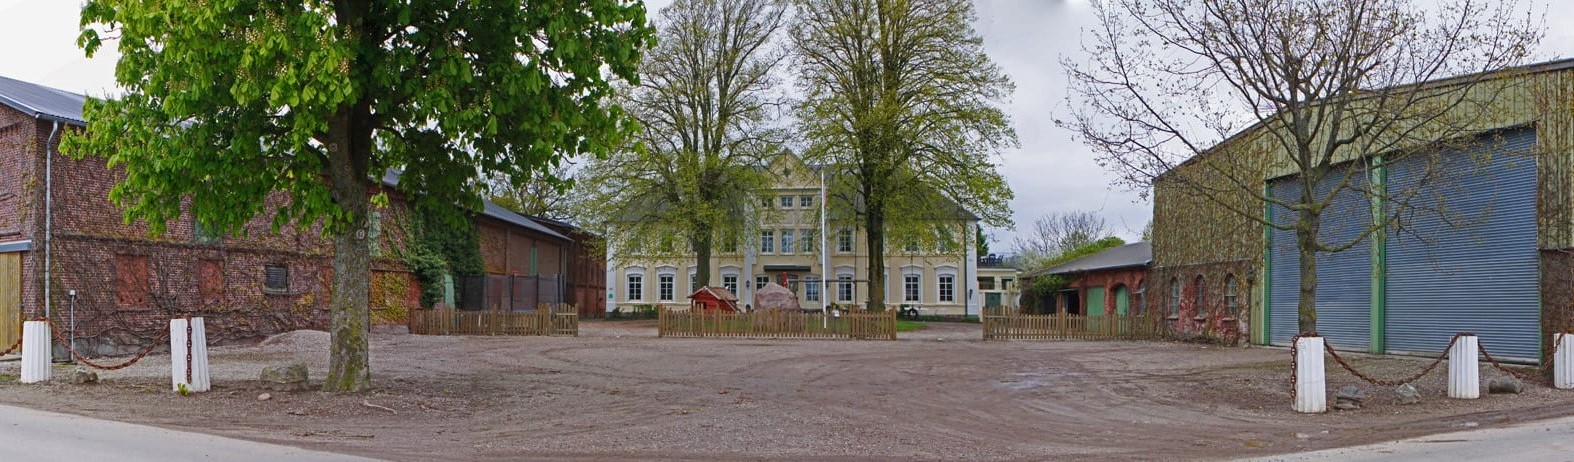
point(713, 298)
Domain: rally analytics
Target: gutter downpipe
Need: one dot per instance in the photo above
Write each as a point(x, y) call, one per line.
point(49, 200)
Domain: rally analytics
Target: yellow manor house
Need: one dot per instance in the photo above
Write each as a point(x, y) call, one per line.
point(824, 261)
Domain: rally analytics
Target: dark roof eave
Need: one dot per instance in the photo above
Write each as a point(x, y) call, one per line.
point(1090, 270)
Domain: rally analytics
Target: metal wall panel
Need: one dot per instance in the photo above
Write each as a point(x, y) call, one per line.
point(1464, 259)
point(1344, 278)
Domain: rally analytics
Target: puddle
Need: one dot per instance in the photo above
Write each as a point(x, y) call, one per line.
point(1030, 380)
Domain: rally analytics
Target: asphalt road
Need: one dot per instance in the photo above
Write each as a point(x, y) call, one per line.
point(1548, 440)
point(27, 435)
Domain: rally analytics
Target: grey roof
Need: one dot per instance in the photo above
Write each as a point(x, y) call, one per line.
point(489, 209)
point(1127, 256)
point(42, 102)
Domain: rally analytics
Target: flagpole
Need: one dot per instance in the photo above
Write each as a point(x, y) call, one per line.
point(825, 256)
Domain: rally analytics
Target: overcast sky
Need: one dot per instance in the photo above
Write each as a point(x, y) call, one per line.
point(1027, 38)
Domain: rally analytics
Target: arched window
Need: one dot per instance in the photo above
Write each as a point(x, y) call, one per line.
point(1139, 304)
point(1232, 299)
point(1175, 296)
point(1202, 297)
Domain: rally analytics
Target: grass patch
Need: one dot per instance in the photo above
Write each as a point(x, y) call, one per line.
point(903, 325)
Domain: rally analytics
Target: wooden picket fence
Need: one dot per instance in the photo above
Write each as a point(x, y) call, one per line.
point(1006, 324)
point(558, 319)
point(776, 324)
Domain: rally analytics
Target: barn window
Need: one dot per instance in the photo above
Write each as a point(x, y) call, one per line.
point(210, 281)
point(1175, 296)
point(131, 281)
point(1232, 299)
point(275, 279)
point(204, 233)
point(1201, 297)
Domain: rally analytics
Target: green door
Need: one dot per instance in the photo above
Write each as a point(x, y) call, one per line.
point(1122, 301)
point(1095, 309)
point(992, 299)
point(1095, 306)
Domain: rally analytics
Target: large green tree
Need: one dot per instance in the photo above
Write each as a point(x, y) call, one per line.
point(902, 105)
point(228, 102)
point(708, 131)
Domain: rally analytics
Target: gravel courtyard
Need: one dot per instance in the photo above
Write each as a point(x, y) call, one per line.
point(618, 392)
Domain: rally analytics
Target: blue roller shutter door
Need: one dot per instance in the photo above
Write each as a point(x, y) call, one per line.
point(1344, 289)
point(1466, 259)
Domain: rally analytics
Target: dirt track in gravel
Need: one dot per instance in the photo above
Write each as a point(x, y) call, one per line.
point(617, 392)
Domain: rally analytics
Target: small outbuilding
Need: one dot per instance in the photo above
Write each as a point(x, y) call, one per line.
point(711, 298)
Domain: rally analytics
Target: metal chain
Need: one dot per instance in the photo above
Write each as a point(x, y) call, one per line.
point(1295, 369)
point(1538, 378)
point(1390, 383)
point(13, 348)
point(188, 350)
point(81, 359)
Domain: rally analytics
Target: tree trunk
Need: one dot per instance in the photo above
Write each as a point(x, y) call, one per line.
point(874, 234)
point(700, 243)
point(348, 357)
point(1306, 242)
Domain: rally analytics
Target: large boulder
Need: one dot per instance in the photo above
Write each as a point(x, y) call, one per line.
point(290, 377)
point(775, 297)
point(776, 309)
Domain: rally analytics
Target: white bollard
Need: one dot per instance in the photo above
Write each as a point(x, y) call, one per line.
point(36, 352)
point(1311, 384)
point(1464, 369)
point(199, 355)
point(1563, 362)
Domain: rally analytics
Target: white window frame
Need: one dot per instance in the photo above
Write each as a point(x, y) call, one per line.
point(761, 280)
point(786, 201)
point(811, 288)
point(844, 287)
point(731, 286)
point(665, 285)
point(630, 280)
point(846, 242)
point(946, 283)
point(767, 241)
point(733, 272)
point(806, 243)
point(912, 288)
point(789, 242)
point(805, 201)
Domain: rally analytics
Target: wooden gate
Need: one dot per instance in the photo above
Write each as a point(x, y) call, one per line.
point(10, 299)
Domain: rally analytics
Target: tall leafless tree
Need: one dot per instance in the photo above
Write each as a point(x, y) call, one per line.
point(1322, 88)
point(1056, 233)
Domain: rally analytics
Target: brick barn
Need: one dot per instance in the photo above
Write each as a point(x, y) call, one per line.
point(67, 252)
point(1108, 283)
